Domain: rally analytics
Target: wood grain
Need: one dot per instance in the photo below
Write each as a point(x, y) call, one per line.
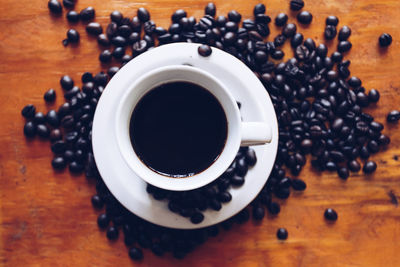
point(46, 218)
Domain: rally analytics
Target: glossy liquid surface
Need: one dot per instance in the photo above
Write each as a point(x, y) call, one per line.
point(178, 129)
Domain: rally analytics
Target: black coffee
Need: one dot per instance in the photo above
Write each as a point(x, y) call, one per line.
point(178, 129)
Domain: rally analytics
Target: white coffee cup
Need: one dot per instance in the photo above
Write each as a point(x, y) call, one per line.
point(239, 133)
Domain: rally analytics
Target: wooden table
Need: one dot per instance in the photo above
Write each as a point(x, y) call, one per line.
point(47, 219)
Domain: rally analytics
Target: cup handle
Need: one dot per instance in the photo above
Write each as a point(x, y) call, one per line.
point(255, 133)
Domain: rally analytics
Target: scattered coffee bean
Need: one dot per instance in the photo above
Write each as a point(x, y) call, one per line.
point(135, 254)
point(197, 218)
point(58, 163)
point(103, 221)
point(393, 116)
point(94, 28)
point(73, 16)
point(66, 82)
point(42, 131)
point(385, 40)
point(282, 234)
point(73, 36)
point(97, 202)
point(332, 20)
point(330, 214)
point(289, 30)
point(330, 32)
point(274, 208)
point(39, 118)
point(344, 33)
point(204, 50)
point(29, 129)
point(28, 111)
point(281, 19)
point(112, 233)
point(369, 167)
point(258, 213)
point(69, 3)
point(259, 9)
point(50, 95)
point(87, 14)
point(54, 6)
point(143, 14)
point(304, 17)
point(296, 5)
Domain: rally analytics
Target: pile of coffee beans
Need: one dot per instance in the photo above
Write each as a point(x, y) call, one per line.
point(318, 103)
point(191, 203)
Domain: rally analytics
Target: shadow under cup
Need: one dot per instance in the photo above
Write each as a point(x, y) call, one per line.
point(166, 75)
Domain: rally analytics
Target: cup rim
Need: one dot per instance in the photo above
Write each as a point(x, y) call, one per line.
point(232, 142)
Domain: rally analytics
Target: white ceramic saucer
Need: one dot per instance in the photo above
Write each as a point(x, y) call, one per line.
point(244, 86)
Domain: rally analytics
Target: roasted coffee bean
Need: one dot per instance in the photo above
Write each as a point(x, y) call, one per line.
point(298, 184)
point(330, 32)
point(297, 40)
point(304, 17)
point(54, 6)
point(250, 157)
point(58, 163)
point(116, 16)
point(58, 147)
point(42, 131)
point(210, 9)
point(204, 50)
point(139, 47)
point(112, 71)
point(29, 129)
point(289, 30)
point(296, 5)
point(369, 167)
point(75, 167)
point(97, 202)
point(274, 208)
point(282, 234)
point(52, 118)
point(69, 3)
point(143, 14)
point(50, 95)
point(373, 96)
point(39, 118)
point(73, 36)
point(383, 140)
point(94, 28)
point(259, 9)
point(332, 20)
point(330, 214)
point(344, 33)
point(393, 116)
point(66, 82)
point(197, 217)
point(336, 56)
point(235, 16)
point(28, 111)
point(281, 19)
point(135, 253)
point(177, 15)
point(354, 166)
point(103, 40)
point(87, 14)
point(343, 173)
point(112, 233)
point(72, 16)
point(103, 220)
point(385, 40)
point(224, 197)
point(373, 146)
point(344, 46)
point(55, 135)
point(237, 180)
